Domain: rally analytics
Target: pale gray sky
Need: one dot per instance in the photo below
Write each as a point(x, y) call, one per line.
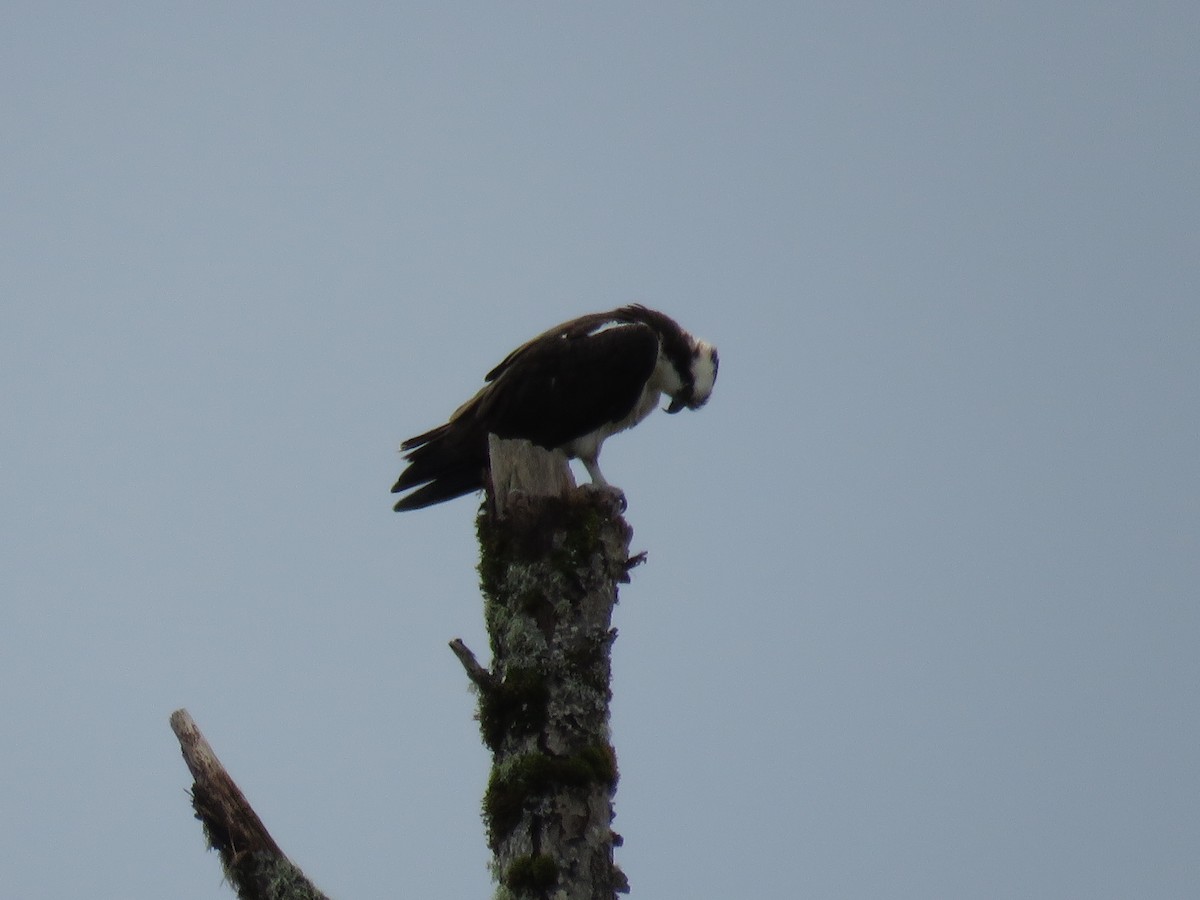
point(921, 614)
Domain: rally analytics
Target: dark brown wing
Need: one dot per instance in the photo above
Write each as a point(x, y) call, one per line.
point(574, 329)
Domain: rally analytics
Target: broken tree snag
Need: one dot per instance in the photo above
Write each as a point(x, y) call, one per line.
point(549, 567)
point(521, 468)
point(253, 863)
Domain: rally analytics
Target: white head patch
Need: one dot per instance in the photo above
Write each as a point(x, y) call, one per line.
point(704, 372)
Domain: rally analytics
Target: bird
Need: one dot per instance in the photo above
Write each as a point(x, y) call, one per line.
point(568, 389)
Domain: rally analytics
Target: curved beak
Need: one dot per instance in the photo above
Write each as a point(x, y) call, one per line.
point(677, 403)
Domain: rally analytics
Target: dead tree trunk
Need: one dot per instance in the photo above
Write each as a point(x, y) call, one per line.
point(551, 556)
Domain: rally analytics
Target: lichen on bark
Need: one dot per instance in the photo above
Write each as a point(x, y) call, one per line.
point(549, 569)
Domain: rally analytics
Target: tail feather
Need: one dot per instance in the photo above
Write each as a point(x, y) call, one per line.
point(446, 486)
point(433, 435)
point(442, 465)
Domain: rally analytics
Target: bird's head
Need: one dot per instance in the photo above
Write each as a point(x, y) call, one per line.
point(698, 379)
point(687, 366)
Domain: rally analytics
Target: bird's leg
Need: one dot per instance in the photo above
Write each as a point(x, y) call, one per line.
point(592, 464)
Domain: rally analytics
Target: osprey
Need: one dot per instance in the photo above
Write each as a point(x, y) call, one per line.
point(567, 389)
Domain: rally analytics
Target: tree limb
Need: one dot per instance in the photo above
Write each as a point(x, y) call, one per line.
point(254, 865)
point(480, 677)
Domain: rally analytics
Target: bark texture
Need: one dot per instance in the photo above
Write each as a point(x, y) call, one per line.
point(254, 865)
point(549, 568)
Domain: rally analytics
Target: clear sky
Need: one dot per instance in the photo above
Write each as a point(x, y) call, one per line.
point(922, 610)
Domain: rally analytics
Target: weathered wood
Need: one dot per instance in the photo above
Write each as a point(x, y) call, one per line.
point(524, 469)
point(254, 865)
point(551, 557)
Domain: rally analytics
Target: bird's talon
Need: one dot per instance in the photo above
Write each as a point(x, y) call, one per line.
point(614, 493)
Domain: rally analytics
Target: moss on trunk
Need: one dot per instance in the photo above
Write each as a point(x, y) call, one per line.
point(549, 570)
